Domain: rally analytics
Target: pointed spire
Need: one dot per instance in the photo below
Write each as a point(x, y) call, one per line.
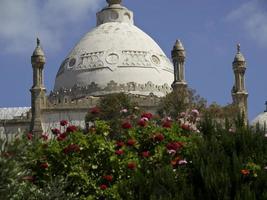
point(38, 41)
point(111, 2)
point(178, 46)
point(38, 50)
point(239, 56)
point(266, 106)
point(238, 48)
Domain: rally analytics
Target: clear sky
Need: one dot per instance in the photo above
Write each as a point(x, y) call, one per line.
point(209, 30)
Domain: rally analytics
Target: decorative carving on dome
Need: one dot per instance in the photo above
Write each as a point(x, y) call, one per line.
point(91, 61)
point(112, 87)
point(112, 58)
point(72, 62)
point(135, 58)
point(155, 59)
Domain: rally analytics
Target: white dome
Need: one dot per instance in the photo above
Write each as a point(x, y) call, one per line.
point(260, 120)
point(116, 56)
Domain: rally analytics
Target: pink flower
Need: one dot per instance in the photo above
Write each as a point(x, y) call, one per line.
point(103, 187)
point(119, 152)
point(182, 162)
point(108, 178)
point(131, 166)
point(124, 111)
point(44, 165)
point(126, 125)
point(171, 152)
point(94, 110)
point(145, 154)
point(143, 122)
point(131, 142)
point(195, 113)
point(159, 137)
point(29, 136)
point(63, 122)
point(56, 131)
point(71, 129)
point(147, 115)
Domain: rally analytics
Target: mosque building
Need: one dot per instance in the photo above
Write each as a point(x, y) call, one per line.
point(114, 57)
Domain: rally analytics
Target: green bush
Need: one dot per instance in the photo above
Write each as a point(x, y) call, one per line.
point(143, 157)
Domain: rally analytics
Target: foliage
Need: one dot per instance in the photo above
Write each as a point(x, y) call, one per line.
point(174, 103)
point(145, 157)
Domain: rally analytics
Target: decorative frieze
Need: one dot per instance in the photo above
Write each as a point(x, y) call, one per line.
point(112, 87)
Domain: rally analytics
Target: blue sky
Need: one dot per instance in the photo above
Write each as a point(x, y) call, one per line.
point(209, 30)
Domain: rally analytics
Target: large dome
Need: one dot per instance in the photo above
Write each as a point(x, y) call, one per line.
point(261, 119)
point(116, 56)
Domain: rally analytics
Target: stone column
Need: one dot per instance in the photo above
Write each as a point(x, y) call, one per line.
point(239, 92)
point(38, 91)
point(179, 84)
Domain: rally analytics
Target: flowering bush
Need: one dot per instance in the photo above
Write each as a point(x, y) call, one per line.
point(163, 159)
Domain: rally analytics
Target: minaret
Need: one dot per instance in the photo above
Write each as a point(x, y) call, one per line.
point(38, 98)
point(178, 57)
point(239, 93)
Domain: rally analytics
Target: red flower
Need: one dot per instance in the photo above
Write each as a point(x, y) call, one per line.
point(61, 137)
point(167, 124)
point(186, 127)
point(29, 136)
point(71, 148)
point(119, 152)
point(131, 165)
point(44, 136)
point(120, 144)
point(126, 125)
point(71, 129)
point(56, 131)
point(44, 165)
point(245, 172)
point(159, 137)
point(147, 115)
point(145, 154)
point(94, 110)
point(174, 146)
point(63, 122)
point(131, 142)
point(108, 178)
point(103, 187)
point(142, 122)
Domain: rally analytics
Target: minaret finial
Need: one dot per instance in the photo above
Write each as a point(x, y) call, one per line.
point(238, 47)
point(38, 41)
point(111, 2)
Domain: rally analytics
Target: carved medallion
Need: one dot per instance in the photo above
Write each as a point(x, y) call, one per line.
point(112, 58)
point(72, 62)
point(114, 15)
point(155, 60)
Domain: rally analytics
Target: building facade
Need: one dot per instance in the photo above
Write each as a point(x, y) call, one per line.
point(114, 57)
